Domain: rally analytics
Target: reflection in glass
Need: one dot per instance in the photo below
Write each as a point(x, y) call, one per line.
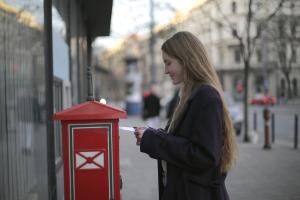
point(23, 153)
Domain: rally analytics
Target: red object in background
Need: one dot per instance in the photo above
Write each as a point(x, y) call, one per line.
point(263, 100)
point(239, 88)
point(91, 151)
point(146, 93)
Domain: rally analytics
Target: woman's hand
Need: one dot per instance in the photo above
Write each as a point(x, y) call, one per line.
point(139, 132)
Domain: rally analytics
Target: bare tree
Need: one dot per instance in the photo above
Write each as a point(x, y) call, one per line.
point(256, 16)
point(283, 30)
point(153, 6)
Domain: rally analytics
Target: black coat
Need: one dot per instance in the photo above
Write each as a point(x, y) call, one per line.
point(192, 151)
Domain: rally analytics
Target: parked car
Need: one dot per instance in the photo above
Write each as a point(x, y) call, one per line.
point(236, 113)
point(262, 99)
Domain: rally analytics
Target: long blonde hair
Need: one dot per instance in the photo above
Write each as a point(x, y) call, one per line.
point(197, 70)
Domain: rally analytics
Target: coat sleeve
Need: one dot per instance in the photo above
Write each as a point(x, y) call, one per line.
point(199, 152)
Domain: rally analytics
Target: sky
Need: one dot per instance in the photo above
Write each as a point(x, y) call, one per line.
point(133, 16)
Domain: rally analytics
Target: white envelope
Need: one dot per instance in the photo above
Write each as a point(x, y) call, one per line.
point(126, 128)
point(89, 160)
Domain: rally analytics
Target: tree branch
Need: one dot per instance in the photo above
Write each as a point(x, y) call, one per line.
point(265, 21)
point(248, 26)
point(224, 17)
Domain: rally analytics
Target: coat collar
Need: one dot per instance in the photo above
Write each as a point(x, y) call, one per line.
point(195, 90)
point(193, 94)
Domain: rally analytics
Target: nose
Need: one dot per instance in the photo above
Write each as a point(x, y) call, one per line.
point(166, 70)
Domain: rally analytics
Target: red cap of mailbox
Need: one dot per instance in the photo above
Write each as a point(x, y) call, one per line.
point(90, 110)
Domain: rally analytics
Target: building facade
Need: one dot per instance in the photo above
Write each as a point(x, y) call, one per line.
point(214, 24)
point(216, 31)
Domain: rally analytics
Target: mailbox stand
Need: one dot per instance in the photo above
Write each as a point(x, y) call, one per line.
point(91, 151)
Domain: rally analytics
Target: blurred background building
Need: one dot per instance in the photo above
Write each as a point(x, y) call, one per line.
point(215, 23)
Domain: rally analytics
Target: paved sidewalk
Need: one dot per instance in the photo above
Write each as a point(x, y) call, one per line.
point(138, 170)
point(258, 175)
point(265, 174)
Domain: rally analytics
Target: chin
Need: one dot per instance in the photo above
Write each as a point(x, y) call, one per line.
point(176, 82)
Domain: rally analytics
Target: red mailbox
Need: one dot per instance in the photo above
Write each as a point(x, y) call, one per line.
point(91, 151)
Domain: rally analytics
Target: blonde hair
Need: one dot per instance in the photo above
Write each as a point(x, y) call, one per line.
point(197, 69)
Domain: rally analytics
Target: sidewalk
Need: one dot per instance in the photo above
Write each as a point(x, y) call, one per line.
point(259, 174)
point(265, 174)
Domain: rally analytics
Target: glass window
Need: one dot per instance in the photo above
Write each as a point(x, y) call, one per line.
point(234, 30)
point(282, 88)
point(22, 76)
point(258, 27)
point(258, 56)
point(238, 87)
point(58, 106)
point(294, 56)
point(233, 7)
point(295, 87)
point(221, 54)
point(259, 84)
point(237, 55)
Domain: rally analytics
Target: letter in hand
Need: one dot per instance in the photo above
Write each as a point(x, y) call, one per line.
point(138, 132)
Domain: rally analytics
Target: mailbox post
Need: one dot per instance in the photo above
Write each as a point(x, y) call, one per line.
point(91, 151)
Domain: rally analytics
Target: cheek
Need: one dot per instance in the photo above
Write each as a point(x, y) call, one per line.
point(179, 71)
point(180, 75)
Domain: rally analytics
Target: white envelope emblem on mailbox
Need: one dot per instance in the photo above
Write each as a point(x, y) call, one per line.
point(90, 160)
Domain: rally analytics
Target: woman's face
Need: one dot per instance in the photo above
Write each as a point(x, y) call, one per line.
point(173, 68)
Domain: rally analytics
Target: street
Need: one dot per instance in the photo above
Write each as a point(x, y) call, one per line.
point(284, 121)
point(259, 174)
point(138, 171)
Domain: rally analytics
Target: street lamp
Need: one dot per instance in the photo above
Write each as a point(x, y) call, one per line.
point(90, 94)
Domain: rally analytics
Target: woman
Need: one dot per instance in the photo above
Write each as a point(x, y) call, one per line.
point(197, 148)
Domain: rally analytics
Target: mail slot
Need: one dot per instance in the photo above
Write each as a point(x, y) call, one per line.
point(91, 151)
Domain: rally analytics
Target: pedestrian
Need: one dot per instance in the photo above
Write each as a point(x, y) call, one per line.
point(197, 148)
point(151, 107)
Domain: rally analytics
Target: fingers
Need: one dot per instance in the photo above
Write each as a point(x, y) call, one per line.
point(138, 142)
point(141, 128)
point(138, 137)
point(138, 134)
